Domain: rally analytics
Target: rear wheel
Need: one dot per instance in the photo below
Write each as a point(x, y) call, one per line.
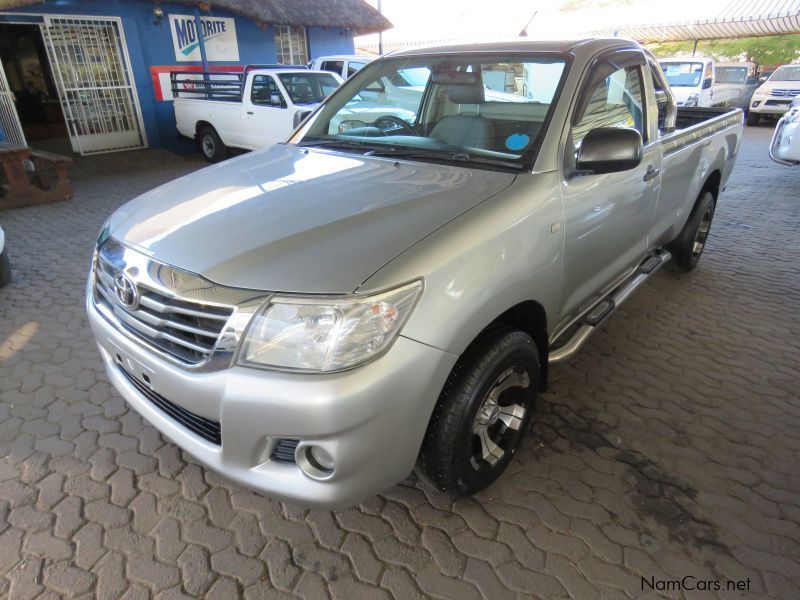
point(212, 147)
point(5, 269)
point(752, 119)
point(689, 245)
point(482, 413)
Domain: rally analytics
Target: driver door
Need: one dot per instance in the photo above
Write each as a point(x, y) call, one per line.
point(607, 216)
point(268, 118)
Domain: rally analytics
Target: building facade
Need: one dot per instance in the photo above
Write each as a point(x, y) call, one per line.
point(98, 71)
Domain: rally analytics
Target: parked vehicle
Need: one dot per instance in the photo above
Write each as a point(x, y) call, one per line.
point(785, 145)
point(693, 82)
point(775, 95)
point(249, 110)
point(344, 65)
point(312, 319)
point(5, 263)
point(738, 80)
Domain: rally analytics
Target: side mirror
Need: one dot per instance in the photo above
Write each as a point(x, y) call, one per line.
point(751, 81)
point(762, 79)
point(610, 150)
point(706, 83)
point(661, 98)
point(275, 99)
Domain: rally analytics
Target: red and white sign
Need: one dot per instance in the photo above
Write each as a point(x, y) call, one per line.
point(163, 85)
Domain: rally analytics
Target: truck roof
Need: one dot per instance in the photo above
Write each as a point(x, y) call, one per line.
point(513, 46)
point(285, 71)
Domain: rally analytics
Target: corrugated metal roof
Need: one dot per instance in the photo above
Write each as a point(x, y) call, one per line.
point(738, 18)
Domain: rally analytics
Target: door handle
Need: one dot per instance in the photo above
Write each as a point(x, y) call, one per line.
point(249, 112)
point(652, 173)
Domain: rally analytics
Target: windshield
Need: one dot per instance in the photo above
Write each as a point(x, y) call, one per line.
point(489, 109)
point(787, 73)
point(731, 74)
point(308, 88)
point(683, 74)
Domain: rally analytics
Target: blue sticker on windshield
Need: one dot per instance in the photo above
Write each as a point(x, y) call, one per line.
point(517, 141)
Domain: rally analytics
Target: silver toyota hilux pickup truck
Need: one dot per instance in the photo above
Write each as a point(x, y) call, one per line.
point(315, 319)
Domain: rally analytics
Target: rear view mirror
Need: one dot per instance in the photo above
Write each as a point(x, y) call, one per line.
point(610, 150)
point(661, 98)
point(707, 83)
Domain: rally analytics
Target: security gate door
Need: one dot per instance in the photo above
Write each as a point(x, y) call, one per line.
point(90, 64)
point(10, 128)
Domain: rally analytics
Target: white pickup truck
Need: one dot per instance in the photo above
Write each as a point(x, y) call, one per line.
point(250, 110)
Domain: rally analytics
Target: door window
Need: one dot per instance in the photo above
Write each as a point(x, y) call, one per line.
point(264, 87)
point(334, 66)
point(353, 68)
point(613, 101)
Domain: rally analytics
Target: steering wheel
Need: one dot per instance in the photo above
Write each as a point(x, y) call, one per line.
point(390, 123)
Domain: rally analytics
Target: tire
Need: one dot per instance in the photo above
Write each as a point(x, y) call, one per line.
point(489, 397)
point(752, 119)
point(211, 146)
point(5, 269)
point(689, 245)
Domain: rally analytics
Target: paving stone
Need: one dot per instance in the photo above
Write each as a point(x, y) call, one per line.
point(668, 446)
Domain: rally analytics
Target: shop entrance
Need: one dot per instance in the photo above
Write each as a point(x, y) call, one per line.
point(72, 85)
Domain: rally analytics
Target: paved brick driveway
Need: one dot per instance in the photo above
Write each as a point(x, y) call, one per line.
point(669, 447)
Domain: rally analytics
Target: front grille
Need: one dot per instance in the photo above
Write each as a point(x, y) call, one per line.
point(283, 451)
point(206, 428)
point(790, 93)
point(186, 330)
point(778, 102)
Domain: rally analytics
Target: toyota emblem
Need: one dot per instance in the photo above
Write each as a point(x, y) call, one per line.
point(126, 292)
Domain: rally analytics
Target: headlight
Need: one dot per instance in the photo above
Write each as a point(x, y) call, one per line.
point(327, 334)
point(104, 234)
point(691, 100)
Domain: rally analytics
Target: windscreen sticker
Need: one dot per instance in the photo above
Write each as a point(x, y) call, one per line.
point(517, 141)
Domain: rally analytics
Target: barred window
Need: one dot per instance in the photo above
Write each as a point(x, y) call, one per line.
point(291, 46)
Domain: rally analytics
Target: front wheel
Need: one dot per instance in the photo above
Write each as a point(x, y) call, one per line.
point(752, 119)
point(689, 245)
point(482, 413)
point(212, 146)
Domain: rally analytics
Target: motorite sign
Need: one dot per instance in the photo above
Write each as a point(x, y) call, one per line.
point(219, 35)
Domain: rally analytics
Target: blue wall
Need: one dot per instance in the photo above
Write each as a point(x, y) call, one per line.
point(150, 44)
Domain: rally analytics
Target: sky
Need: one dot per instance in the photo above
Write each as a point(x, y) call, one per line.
point(432, 20)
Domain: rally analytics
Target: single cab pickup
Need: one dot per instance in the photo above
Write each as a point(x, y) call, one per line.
point(249, 110)
point(315, 319)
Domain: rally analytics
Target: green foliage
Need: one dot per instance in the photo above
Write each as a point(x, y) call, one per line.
point(769, 50)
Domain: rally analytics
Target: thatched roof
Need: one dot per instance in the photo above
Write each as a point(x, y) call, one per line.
point(356, 15)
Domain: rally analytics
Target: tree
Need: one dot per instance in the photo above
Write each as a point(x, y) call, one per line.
point(768, 50)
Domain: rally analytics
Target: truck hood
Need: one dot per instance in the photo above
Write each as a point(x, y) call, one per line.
point(299, 219)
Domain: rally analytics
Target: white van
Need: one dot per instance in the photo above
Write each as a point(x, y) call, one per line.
point(693, 82)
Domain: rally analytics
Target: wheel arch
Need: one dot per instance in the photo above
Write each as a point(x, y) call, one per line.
point(528, 316)
point(712, 184)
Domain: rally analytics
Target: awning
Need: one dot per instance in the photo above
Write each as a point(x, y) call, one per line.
point(710, 20)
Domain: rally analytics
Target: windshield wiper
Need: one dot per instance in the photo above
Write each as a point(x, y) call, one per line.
point(459, 156)
point(334, 143)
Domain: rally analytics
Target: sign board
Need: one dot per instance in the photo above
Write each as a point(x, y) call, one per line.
point(219, 35)
point(162, 84)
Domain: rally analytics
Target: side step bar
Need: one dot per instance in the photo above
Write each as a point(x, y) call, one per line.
point(605, 307)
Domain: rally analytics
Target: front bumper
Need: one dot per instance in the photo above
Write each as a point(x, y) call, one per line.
point(371, 420)
point(759, 105)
